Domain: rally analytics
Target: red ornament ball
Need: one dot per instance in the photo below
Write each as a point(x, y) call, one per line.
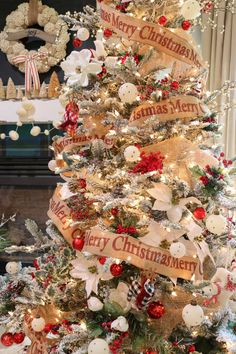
point(186, 25)
point(116, 269)
point(156, 310)
point(151, 352)
point(162, 21)
point(199, 213)
point(18, 337)
point(78, 243)
point(102, 260)
point(191, 349)
point(114, 211)
point(7, 339)
point(77, 43)
point(107, 33)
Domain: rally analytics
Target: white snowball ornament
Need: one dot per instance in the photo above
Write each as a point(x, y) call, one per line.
point(52, 165)
point(83, 34)
point(128, 93)
point(13, 135)
point(120, 324)
point(38, 324)
point(132, 154)
point(177, 250)
point(13, 267)
point(35, 131)
point(193, 314)
point(94, 304)
point(46, 132)
point(190, 9)
point(216, 224)
point(3, 136)
point(98, 346)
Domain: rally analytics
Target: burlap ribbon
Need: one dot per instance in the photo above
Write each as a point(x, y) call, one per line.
point(33, 12)
point(150, 34)
point(180, 154)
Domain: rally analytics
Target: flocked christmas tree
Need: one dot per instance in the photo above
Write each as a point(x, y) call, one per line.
point(139, 256)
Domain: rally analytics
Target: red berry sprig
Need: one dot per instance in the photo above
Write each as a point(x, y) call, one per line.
point(186, 25)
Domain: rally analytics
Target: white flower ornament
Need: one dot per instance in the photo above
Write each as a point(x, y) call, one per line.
point(90, 271)
point(78, 66)
point(163, 202)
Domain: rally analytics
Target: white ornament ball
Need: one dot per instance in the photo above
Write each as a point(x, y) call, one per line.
point(98, 346)
point(190, 9)
point(38, 324)
point(132, 153)
point(83, 34)
point(177, 250)
point(128, 93)
point(56, 123)
point(21, 112)
point(52, 165)
point(19, 124)
point(13, 267)
point(35, 131)
point(46, 132)
point(3, 136)
point(13, 135)
point(193, 315)
point(216, 224)
point(94, 304)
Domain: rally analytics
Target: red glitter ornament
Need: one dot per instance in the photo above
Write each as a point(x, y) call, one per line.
point(156, 309)
point(162, 21)
point(151, 352)
point(82, 183)
point(77, 43)
point(18, 337)
point(7, 339)
point(107, 33)
point(116, 269)
point(114, 211)
point(191, 349)
point(102, 260)
point(199, 213)
point(186, 25)
point(78, 243)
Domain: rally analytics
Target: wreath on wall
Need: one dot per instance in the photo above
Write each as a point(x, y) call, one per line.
point(55, 34)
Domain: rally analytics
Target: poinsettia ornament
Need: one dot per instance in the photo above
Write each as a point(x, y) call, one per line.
point(164, 202)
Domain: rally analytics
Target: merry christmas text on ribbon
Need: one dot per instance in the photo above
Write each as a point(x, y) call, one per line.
point(59, 213)
point(149, 33)
point(127, 248)
point(67, 143)
point(179, 107)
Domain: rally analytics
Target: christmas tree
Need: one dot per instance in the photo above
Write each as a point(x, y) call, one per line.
point(139, 252)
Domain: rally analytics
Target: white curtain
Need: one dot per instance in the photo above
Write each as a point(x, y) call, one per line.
point(219, 49)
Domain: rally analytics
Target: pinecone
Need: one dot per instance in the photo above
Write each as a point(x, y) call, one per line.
point(158, 215)
point(73, 185)
point(118, 192)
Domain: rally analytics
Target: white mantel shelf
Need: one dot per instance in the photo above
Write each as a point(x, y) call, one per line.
point(46, 110)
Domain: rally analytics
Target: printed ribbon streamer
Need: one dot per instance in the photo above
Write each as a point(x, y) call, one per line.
point(71, 116)
point(150, 34)
point(31, 71)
